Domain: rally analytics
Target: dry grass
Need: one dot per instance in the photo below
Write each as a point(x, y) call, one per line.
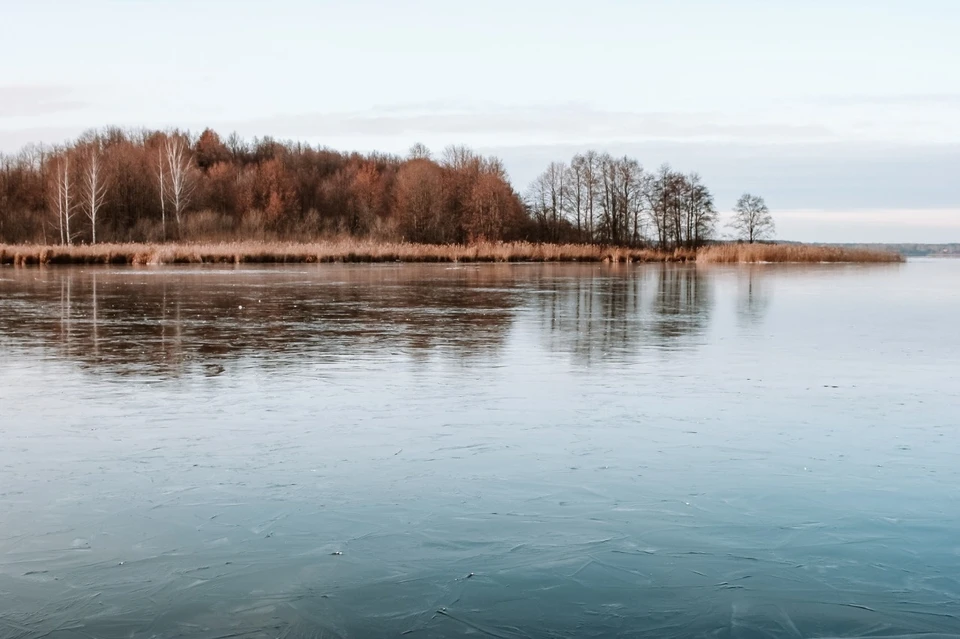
point(350, 250)
point(809, 253)
point(343, 250)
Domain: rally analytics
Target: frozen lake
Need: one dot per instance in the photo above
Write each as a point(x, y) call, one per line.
point(490, 450)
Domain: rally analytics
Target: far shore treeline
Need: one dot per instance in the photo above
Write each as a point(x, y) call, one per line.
point(140, 186)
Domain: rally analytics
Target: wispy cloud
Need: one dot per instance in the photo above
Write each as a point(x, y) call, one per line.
point(565, 122)
point(928, 218)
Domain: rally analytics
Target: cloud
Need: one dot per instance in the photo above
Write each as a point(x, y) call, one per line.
point(913, 218)
point(568, 122)
point(394, 127)
point(29, 101)
point(931, 120)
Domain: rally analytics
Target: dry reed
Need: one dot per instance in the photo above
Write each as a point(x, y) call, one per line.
point(809, 253)
point(340, 250)
point(351, 250)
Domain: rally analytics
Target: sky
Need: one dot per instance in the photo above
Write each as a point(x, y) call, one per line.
point(844, 115)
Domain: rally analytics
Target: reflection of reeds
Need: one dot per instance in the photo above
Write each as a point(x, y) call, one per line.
point(342, 250)
point(752, 253)
point(350, 250)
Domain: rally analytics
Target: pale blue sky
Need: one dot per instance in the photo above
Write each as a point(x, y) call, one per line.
point(843, 114)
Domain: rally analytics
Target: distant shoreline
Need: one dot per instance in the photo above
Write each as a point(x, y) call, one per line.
point(907, 249)
point(346, 250)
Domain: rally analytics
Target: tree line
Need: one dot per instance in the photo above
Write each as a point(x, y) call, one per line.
point(137, 185)
point(615, 201)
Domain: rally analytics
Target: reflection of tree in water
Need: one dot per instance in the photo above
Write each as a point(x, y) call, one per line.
point(753, 298)
point(179, 321)
point(611, 313)
point(682, 303)
point(170, 322)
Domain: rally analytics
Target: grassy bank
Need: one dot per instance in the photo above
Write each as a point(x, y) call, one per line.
point(370, 251)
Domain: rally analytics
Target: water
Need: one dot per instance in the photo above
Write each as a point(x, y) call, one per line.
point(502, 451)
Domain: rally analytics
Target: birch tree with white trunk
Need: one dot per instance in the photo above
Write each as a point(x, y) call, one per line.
point(180, 171)
point(93, 186)
point(63, 191)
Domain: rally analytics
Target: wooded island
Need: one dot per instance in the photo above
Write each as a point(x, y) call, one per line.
point(140, 196)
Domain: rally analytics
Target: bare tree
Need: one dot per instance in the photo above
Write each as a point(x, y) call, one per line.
point(622, 185)
point(591, 180)
point(547, 199)
point(538, 202)
point(639, 204)
point(64, 197)
point(577, 192)
point(700, 213)
point(419, 152)
point(93, 186)
point(752, 219)
point(458, 156)
point(181, 176)
point(631, 185)
point(658, 195)
point(163, 197)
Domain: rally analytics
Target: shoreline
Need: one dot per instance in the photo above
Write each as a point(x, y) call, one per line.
point(370, 251)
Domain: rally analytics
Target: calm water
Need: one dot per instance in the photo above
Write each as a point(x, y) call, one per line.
point(502, 451)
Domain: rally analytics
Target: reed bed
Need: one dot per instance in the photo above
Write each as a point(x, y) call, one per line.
point(346, 250)
point(349, 250)
point(803, 253)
